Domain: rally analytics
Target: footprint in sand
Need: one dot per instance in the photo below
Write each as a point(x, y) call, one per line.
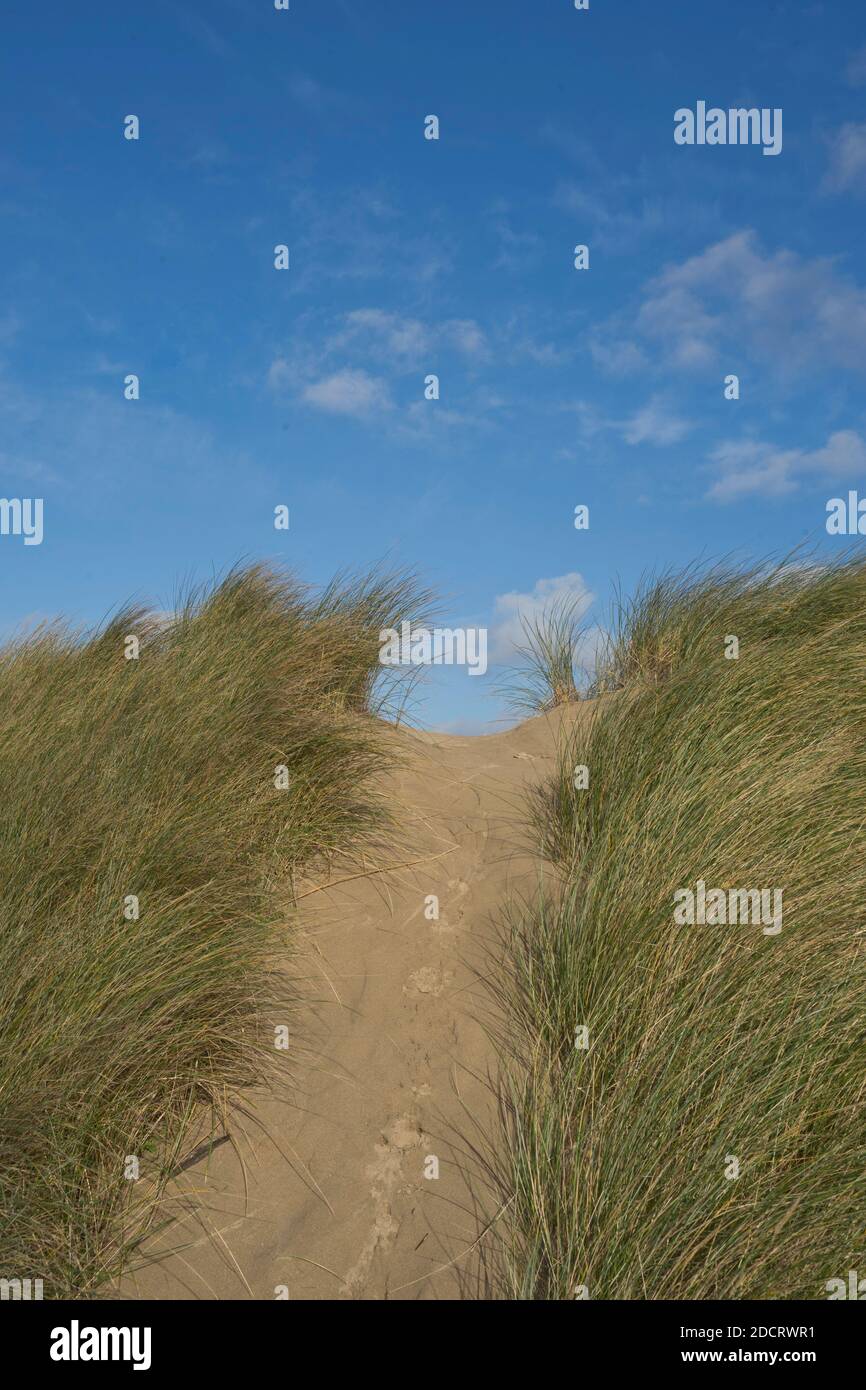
point(383, 1174)
point(430, 979)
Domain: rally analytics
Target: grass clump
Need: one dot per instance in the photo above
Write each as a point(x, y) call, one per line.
point(548, 671)
point(706, 1043)
point(156, 778)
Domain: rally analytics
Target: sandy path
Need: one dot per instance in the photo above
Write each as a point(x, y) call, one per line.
point(327, 1196)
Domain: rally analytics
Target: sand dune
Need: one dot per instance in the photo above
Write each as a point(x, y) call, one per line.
point(324, 1193)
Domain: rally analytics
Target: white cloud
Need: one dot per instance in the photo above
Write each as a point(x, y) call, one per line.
point(508, 634)
point(358, 370)
point(735, 298)
point(751, 468)
point(466, 336)
point(655, 423)
point(619, 356)
point(333, 370)
point(402, 339)
point(406, 340)
point(421, 421)
point(847, 160)
point(350, 392)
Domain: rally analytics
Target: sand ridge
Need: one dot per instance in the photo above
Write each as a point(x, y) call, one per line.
point(331, 1195)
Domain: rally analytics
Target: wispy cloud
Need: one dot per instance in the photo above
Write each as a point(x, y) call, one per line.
point(350, 392)
point(620, 356)
point(88, 443)
point(611, 221)
point(331, 367)
point(204, 33)
point(751, 468)
point(519, 249)
point(363, 235)
point(736, 299)
point(855, 72)
point(313, 95)
point(847, 172)
point(657, 422)
point(404, 341)
point(514, 609)
point(619, 207)
point(10, 326)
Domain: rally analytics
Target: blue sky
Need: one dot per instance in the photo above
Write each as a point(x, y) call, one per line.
point(409, 257)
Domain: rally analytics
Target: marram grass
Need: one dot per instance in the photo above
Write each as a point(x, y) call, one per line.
point(154, 778)
point(711, 1049)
